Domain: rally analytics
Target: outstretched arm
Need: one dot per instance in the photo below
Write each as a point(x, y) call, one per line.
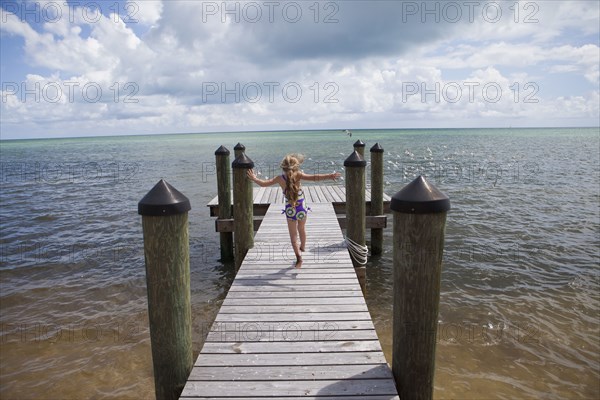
point(261, 182)
point(320, 177)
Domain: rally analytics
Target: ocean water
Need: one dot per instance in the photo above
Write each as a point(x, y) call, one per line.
point(520, 303)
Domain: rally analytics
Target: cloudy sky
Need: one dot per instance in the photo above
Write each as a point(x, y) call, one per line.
point(131, 67)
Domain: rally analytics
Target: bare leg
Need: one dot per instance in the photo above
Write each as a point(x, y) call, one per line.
point(302, 232)
point(293, 229)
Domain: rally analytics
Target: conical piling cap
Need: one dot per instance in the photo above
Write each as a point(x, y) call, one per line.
point(243, 161)
point(163, 199)
point(420, 197)
point(239, 146)
point(376, 148)
point(359, 143)
point(355, 160)
point(222, 151)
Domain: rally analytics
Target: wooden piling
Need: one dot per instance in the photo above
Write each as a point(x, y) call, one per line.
point(376, 196)
point(243, 208)
point(419, 223)
point(224, 195)
point(164, 213)
point(359, 146)
point(238, 150)
point(355, 207)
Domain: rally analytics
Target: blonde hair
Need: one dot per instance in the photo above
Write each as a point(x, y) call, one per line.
point(291, 168)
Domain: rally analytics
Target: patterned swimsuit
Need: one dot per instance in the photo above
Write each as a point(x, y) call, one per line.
point(295, 213)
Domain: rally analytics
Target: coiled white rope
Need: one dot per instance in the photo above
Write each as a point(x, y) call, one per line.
point(358, 252)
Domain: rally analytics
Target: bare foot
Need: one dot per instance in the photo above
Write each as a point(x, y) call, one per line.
point(298, 261)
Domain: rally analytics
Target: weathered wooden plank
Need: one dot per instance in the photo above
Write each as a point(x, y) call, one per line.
point(313, 195)
point(273, 195)
point(261, 194)
point(310, 262)
point(264, 199)
point(291, 317)
point(341, 192)
point(326, 308)
point(315, 241)
point(316, 196)
point(292, 288)
point(290, 284)
point(324, 244)
point(272, 242)
point(308, 273)
point(344, 358)
point(354, 387)
point(295, 372)
point(266, 245)
point(313, 258)
point(314, 237)
point(313, 329)
point(309, 346)
point(296, 273)
point(300, 279)
point(322, 195)
point(299, 301)
point(321, 243)
point(291, 333)
point(260, 269)
point(289, 257)
point(314, 228)
point(333, 195)
point(306, 264)
point(258, 195)
point(293, 295)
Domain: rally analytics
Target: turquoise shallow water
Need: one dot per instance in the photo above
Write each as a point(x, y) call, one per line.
point(519, 312)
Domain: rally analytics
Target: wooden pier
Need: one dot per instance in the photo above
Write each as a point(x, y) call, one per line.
point(286, 332)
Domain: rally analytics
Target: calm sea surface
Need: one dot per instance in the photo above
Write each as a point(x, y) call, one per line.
point(519, 313)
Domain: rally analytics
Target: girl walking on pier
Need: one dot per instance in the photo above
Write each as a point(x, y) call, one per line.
point(295, 208)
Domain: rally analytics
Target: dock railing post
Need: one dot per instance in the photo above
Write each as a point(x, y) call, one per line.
point(376, 196)
point(238, 150)
point(355, 209)
point(164, 213)
point(243, 208)
point(419, 223)
point(359, 146)
point(224, 195)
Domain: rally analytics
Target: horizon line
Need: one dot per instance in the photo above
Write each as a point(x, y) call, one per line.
point(297, 130)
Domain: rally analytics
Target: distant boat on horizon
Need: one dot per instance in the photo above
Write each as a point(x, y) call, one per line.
point(348, 132)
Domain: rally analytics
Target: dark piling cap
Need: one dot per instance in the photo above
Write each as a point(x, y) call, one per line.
point(243, 161)
point(420, 197)
point(355, 160)
point(359, 143)
point(376, 148)
point(239, 146)
point(163, 199)
point(222, 151)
